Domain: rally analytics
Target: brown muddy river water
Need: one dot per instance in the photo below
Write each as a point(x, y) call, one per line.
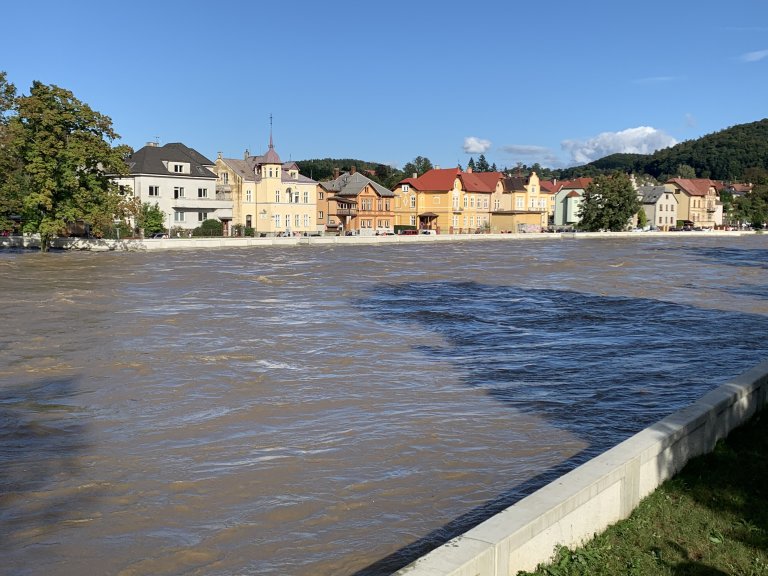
point(337, 410)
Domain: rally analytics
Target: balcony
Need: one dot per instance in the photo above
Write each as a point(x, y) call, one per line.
point(345, 212)
point(457, 209)
point(202, 203)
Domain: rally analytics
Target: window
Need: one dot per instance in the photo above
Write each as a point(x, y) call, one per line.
point(436, 199)
point(306, 196)
point(379, 204)
point(277, 220)
point(178, 168)
point(178, 192)
point(366, 204)
point(202, 216)
point(224, 177)
point(248, 221)
point(320, 215)
point(405, 188)
point(472, 221)
point(320, 195)
point(383, 223)
point(496, 204)
point(297, 221)
point(202, 192)
point(413, 201)
point(277, 196)
point(466, 201)
point(178, 216)
point(519, 203)
point(154, 190)
point(287, 220)
point(485, 203)
point(306, 220)
point(248, 196)
point(413, 220)
point(270, 172)
point(455, 221)
point(471, 201)
point(386, 205)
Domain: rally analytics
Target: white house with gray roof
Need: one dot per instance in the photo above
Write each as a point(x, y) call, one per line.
point(660, 206)
point(181, 182)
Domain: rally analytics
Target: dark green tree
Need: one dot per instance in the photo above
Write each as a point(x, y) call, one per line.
point(68, 163)
point(642, 218)
point(11, 168)
point(482, 164)
point(752, 208)
point(685, 171)
point(609, 203)
point(418, 166)
point(209, 228)
point(471, 165)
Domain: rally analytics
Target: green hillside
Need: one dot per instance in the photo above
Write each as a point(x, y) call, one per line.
point(729, 155)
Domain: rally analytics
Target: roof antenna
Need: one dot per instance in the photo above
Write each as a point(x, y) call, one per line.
point(270, 132)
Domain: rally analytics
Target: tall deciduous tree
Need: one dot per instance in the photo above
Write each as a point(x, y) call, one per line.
point(418, 166)
point(609, 203)
point(11, 172)
point(68, 163)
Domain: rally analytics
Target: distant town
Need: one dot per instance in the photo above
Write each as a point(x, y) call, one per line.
point(260, 195)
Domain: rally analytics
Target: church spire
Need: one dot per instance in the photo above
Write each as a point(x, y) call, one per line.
point(271, 146)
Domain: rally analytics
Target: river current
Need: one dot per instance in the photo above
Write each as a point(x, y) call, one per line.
point(338, 410)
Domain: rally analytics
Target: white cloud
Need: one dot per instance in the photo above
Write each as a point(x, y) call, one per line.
point(474, 145)
point(640, 140)
point(754, 56)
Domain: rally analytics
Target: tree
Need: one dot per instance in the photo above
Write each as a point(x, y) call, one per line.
point(482, 164)
point(642, 219)
point(67, 164)
point(209, 227)
point(685, 171)
point(151, 218)
point(753, 206)
point(11, 169)
point(609, 203)
point(471, 165)
point(419, 166)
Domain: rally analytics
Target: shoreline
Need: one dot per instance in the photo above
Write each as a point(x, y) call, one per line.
point(151, 244)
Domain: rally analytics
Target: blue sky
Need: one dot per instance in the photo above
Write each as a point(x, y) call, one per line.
point(555, 82)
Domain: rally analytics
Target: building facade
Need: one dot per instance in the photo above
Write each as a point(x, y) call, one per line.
point(270, 197)
point(358, 205)
point(660, 206)
point(182, 183)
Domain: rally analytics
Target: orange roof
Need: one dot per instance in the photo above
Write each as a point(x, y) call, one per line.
point(579, 183)
point(480, 181)
point(693, 186)
point(435, 179)
point(549, 187)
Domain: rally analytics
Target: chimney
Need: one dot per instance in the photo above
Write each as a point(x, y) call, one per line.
point(246, 154)
point(152, 144)
point(353, 169)
point(469, 169)
point(415, 175)
point(335, 173)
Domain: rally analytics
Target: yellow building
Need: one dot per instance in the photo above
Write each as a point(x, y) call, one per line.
point(519, 205)
point(269, 197)
point(446, 200)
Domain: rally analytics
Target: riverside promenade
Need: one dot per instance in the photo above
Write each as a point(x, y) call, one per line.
point(104, 245)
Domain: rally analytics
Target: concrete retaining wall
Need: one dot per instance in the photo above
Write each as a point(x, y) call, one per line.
point(97, 245)
point(575, 507)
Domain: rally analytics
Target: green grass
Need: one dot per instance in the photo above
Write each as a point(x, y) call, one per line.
point(709, 520)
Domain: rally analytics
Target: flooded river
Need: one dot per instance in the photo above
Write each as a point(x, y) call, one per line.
point(337, 409)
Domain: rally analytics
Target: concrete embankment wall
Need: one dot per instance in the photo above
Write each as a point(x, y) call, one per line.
point(584, 502)
point(33, 241)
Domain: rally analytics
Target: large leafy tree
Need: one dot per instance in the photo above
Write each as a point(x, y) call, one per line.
point(63, 164)
point(418, 166)
point(10, 167)
point(753, 206)
point(609, 203)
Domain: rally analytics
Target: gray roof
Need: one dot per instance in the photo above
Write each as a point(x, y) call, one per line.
point(352, 184)
point(248, 167)
point(149, 160)
point(650, 194)
point(243, 168)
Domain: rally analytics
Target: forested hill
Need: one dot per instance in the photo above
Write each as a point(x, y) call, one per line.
point(728, 155)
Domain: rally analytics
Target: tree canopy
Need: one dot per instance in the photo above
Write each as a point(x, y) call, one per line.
point(58, 163)
point(609, 203)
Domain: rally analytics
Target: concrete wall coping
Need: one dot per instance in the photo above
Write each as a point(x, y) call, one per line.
point(600, 492)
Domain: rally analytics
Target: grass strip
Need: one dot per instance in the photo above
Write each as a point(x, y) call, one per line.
point(711, 519)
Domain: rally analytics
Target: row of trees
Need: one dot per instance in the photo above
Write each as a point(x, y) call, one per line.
point(57, 164)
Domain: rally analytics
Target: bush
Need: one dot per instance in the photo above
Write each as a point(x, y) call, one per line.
point(209, 228)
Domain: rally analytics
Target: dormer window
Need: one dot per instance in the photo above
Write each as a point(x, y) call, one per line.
point(178, 168)
point(405, 188)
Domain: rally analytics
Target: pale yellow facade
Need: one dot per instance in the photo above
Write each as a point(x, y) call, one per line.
point(269, 197)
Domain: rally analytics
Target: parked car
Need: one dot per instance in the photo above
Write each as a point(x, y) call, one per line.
point(409, 232)
point(159, 235)
point(427, 231)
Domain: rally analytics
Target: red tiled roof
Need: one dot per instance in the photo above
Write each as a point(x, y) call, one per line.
point(480, 181)
point(579, 183)
point(435, 179)
point(693, 186)
point(549, 187)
